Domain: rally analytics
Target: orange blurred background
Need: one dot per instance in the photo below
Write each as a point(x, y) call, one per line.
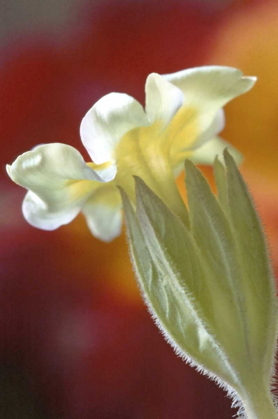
point(76, 339)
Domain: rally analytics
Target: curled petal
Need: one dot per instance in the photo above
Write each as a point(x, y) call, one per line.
point(206, 90)
point(163, 99)
point(103, 213)
point(180, 149)
point(216, 126)
point(49, 166)
point(44, 216)
point(210, 88)
point(59, 181)
point(207, 152)
point(106, 171)
point(107, 121)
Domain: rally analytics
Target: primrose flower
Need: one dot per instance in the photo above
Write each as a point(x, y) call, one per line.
point(182, 118)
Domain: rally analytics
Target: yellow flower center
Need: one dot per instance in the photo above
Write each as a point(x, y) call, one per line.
point(152, 152)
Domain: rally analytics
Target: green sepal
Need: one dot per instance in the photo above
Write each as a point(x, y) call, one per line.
point(219, 258)
point(229, 236)
point(219, 172)
point(171, 277)
point(208, 286)
point(257, 280)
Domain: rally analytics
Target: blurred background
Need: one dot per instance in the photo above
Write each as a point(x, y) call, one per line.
point(76, 339)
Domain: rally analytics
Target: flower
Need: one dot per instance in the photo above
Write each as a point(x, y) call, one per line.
point(182, 118)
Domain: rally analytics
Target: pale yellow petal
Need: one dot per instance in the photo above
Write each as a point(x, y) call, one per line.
point(163, 99)
point(210, 87)
point(207, 152)
point(59, 183)
point(107, 122)
point(206, 90)
point(103, 213)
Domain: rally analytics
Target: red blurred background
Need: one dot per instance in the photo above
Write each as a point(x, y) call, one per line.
point(76, 339)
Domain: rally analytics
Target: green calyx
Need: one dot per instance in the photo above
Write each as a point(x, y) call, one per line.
point(209, 287)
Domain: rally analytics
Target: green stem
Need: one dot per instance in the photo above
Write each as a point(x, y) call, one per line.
point(259, 405)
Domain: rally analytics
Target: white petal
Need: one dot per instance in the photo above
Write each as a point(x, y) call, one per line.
point(210, 88)
point(103, 213)
point(163, 99)
point(106, 171)
point(49, 166)
point(216, 126)
point(40, 215)
point(206, 90)
point(215, 147)
point(59, 181)
point(107, 122)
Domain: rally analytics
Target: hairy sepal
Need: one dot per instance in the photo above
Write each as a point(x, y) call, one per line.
point(172, 280)
point(213, 234)
point(257, 281)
